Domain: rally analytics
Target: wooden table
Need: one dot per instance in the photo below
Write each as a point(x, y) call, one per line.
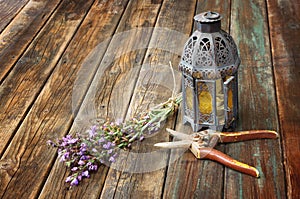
point(59, 56)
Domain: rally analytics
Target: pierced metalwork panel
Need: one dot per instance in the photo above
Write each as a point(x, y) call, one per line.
point(230, 103)
point(203, 55)
point(188, 97)
point(209, 56)
point(223, 54)
point(188, 50)
point(231, 43)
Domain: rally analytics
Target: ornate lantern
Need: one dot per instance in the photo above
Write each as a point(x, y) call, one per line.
point(209, 66)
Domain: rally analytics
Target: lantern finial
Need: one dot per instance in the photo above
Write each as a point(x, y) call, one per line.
point(208, 22)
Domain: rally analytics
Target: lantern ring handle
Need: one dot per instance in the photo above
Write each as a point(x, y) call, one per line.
point(212, 15)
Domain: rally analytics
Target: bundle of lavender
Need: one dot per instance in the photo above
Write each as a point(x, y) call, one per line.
point(84, 152)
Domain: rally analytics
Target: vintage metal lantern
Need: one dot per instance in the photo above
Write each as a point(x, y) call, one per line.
point(209, 66)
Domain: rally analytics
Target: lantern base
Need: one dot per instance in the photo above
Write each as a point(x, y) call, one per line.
point(197, 127)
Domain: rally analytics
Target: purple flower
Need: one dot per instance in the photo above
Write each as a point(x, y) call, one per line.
point(62, 159)
point(74, 169)
point(64, 156)
point(85, 174)
point(109, 151)
point(67, 155)
point(83, 158)
point(49, 142)
point(69, 140)
point(93, 167)
point(83, 145)
point(119, 121)
point(63, 144)
point(73, 141)
point(112, 159)
point(74, 182)
point(69, 178)
point(81, 162)
point(66, 139)
point(142, 138)
point(107, 145)
point(92, 131)
point(102, 139)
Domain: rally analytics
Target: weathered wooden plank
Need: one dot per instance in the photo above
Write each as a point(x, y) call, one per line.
point(188, 177)
point(257, 105)
point(144, 176)
point(183, 172)
point(284, 27)
point(120, 66)
point(8, 10)
point(21, 87)
point(95, 33)
point(26, 160)
point(21, 31)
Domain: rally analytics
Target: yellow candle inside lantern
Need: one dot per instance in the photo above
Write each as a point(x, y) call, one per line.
point(205, 102)
point(230, 96)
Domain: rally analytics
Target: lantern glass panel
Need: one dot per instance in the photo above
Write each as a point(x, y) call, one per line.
point(229, 101)
point(205, 101)
point(220, 102)
point(189, 94)
point(189, 98)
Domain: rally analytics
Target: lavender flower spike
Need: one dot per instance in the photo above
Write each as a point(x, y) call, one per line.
point(81, 162)
point(86, 174)
point(107, 145)
point(74, 182)
point(112, 159)
point(69, 178)
point(92, 131)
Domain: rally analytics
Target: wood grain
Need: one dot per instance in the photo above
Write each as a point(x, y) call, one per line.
point(144, 175)
point(8, 10)
point(92, 38)
point(23, 84)
point(120, 66)
point(188, 177)
point(257, 105)
point(284, 31)
point(21, 31)
point(26, 159)
point(65, 64)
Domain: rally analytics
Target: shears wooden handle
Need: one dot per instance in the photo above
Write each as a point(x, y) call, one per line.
point(218, 156)
point(225, 137)
point(246, 135)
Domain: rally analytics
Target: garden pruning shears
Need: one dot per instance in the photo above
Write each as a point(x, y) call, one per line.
point(202, 144)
